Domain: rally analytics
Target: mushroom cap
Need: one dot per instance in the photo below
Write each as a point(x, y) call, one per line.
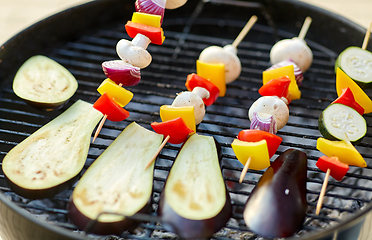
point(191, 99)
point(134, 55)
point(216, 54)
point(272, 105)
point(295, 49)
point(172, 4)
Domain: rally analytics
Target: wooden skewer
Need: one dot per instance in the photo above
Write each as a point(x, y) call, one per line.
point(322, 192)
point(366, 37)
point(245, 30)
point(157, 152)
point(245, 170)
point(305, 28)
point(103, 120)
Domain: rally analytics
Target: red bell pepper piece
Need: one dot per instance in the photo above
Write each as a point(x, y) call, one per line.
point(276, 87)
point(108, 106)
point(176, 129)
point(193, 80)
point(338, 169)
point(347, 98)
point(255, 135)
point(156, 35)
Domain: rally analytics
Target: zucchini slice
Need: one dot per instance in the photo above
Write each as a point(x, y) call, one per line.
point(339, 121)
point(357, 64)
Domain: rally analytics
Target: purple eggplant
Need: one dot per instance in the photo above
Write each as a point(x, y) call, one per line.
point(195, 202)
point(277, 206)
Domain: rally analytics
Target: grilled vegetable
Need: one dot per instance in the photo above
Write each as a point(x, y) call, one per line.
point(176, 129)
point(195, 202)
point(48, 161)
point(108, 106)
point(194, 80)
point(338, 169)
point(357, 64)
point(117, 182)
point(338, 122)
point(151, 6)
point(44, 83)
point(188, 98)
point(347, 98)
point(121, 72)
point(277, 206)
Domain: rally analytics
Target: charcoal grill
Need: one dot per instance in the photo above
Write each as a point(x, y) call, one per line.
point(81, 38)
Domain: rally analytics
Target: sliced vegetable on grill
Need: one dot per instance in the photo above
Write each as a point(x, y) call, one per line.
point(175, 128)
point(44, 84)
point(173, 4)
point(50, 160)
point(347, 98)
point(344, 81)
point(194, 80)
point(276, 208)
point(117, 184)
point(195, 202)
point(295, 49)
point(339, 122)
point(155, 34)
point(357, 64)
point(121, 72)
point(344, 150)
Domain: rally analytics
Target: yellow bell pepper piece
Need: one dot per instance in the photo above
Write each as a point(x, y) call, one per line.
point(344, 81)
point(257, 151)
point(344, 150)
point(214, 72)
point(148, 19)
point(294, 92)
point(168, 112)
point(120, 94)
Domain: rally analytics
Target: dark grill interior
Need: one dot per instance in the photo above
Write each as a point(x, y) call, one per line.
point(165, 77)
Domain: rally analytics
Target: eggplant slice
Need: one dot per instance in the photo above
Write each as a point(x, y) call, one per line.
point(195, 202)
point(48, 161)
point(117, 182)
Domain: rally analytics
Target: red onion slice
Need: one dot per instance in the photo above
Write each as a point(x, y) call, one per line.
point(156, 7)
point(297, 71)
point(122, 72)
point(264, 122)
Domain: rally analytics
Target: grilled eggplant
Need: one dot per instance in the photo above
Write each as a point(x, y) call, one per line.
point(44, 83)
point(117, 183)
point(195, 202)
point(277, 206)
point(49, 160)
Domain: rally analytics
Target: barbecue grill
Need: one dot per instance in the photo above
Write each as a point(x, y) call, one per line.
point(81, 38)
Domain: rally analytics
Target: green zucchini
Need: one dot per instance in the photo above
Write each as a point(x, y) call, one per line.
point(339, 121)
point(357, 64)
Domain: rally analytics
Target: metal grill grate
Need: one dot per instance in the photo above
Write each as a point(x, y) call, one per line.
point(165, 77)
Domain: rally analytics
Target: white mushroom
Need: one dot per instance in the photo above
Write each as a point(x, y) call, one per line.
point(172, 4)
point(134, 52)
point(201, 92)
point(191, 99)
point(226, 55)
point(295, 49)
point(272, 105)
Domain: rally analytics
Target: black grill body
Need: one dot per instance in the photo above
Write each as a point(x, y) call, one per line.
point(81, 38)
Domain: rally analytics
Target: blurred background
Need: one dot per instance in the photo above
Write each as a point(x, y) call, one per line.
point(16, 15)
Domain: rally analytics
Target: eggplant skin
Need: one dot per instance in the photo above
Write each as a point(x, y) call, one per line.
point(193, 229)
point(104, 228)
point(47, 107)
point(41, 193)
point(277, 206)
